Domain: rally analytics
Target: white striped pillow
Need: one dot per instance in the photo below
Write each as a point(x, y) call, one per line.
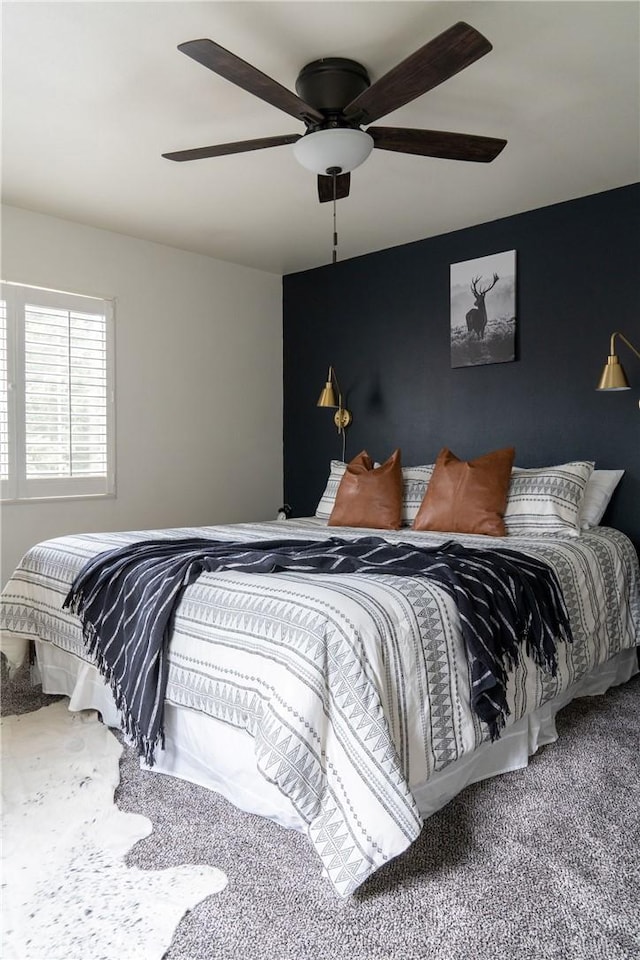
point(415, 481)
point(328, 498)
point(547, 500)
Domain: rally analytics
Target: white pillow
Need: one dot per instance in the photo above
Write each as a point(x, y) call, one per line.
point(547, 500)
point(415, 481)
point(597, 495)
point(328, 498)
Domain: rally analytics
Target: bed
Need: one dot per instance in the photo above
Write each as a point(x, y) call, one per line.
point(335, 705)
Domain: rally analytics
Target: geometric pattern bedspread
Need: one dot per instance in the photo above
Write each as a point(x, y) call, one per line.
point(353, 687)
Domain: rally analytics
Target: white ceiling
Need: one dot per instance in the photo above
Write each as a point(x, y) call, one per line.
point(95, 92)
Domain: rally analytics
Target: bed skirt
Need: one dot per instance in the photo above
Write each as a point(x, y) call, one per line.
point(220, 757)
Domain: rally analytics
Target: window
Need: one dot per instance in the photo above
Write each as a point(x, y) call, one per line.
point(56, 394)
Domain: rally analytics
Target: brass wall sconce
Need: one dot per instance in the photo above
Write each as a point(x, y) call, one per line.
point(342, 417)
point(613, 376)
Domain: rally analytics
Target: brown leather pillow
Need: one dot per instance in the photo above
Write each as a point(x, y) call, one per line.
point(467, 496)
point(369, 496)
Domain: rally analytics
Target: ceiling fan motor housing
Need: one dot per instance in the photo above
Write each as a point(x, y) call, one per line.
point(330, 84)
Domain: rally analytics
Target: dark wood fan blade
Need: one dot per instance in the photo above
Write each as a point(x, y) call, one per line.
point(325, 187)
point(238, 71)
point(223, 149)
point(437, 143)
point(441, 58)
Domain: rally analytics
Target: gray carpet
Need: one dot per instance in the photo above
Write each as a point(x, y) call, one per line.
point(540, 863)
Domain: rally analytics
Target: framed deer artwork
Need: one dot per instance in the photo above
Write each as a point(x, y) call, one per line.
point(483, 310)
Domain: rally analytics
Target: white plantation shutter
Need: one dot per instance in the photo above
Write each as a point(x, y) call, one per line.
point(62, 380)
point(65, 393)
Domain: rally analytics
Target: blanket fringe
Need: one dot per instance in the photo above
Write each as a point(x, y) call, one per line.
point(145, 746)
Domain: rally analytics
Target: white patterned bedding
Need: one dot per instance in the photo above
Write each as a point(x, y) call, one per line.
point(354, 688)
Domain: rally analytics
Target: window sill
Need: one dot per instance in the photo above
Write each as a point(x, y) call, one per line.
point(57, 499)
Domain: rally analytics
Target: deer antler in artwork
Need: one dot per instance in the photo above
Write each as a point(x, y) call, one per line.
point(480, 293)
point(477, 316)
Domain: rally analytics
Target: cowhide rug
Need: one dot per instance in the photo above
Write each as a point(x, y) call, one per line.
point(67, 892)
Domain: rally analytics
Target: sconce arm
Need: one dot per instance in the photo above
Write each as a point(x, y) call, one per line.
point(612, 348)
point(342, 416)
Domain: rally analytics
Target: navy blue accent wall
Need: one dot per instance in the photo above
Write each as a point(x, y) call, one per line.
point(382, 320)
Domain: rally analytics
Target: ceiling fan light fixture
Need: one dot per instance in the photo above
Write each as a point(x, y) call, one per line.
point(338, 149)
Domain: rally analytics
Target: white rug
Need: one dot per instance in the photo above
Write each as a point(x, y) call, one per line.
point(67, 894)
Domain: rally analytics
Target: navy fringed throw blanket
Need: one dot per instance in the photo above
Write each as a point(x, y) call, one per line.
point(126, 598)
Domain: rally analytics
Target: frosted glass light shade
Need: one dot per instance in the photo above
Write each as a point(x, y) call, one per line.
point(339, 147)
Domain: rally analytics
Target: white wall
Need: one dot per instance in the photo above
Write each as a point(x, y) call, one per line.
point(198, 381)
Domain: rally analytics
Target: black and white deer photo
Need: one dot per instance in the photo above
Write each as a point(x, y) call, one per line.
point(483, 310)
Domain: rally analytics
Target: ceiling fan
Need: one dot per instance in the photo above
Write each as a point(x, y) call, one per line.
point(334, 98)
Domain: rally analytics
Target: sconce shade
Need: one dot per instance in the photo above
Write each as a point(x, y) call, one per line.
point(328, 397)
point(613, 376)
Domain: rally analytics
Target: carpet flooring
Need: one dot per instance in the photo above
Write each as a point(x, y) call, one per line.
point(542, 863)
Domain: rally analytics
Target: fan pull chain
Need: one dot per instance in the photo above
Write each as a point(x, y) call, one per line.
point(334, 171)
